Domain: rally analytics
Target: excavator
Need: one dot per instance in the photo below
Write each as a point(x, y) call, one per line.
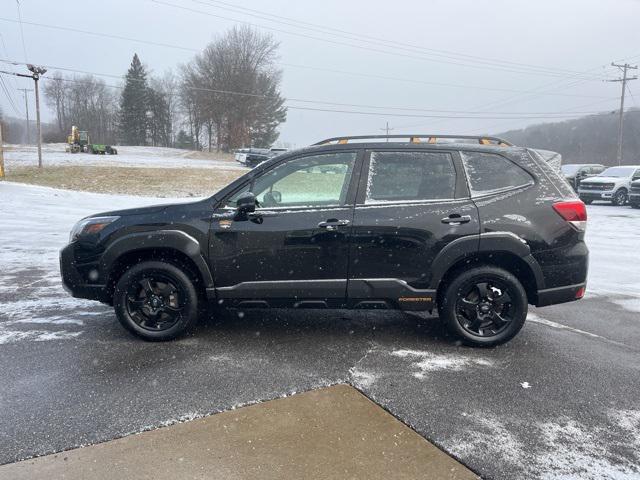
point(79, 141)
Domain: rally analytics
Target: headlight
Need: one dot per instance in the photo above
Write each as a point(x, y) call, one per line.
point(90, 225)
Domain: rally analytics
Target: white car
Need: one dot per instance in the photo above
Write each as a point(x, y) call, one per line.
point(612, 185)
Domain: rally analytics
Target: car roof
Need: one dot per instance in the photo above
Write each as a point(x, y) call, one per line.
point(407, 146)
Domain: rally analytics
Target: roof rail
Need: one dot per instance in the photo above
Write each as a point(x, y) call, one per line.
point(418, 138)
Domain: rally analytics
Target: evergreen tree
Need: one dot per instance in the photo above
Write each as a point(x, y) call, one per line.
point(134, 105)
point(158, 119)
point(183, 140)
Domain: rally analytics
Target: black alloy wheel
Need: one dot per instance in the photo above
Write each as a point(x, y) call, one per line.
point(156, 300)
point(484, 305)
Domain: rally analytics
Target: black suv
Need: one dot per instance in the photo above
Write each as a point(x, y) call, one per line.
point(477, 230)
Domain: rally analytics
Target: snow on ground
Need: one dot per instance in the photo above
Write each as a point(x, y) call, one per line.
point(35, 224)
point(153, 157)
point(613, 237)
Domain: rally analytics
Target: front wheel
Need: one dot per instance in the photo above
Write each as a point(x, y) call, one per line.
point(587, 202)
point(635, 205)
point(620, 197)
point(156, 301)
point(484, 306)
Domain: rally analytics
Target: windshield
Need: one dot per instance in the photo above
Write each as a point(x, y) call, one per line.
point(617, 172)
point(569, 169)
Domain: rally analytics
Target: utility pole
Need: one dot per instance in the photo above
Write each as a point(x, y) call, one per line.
point(386, 129)
point(1, 155)
point(36, 72)
point(26, 107)
point(624, 81)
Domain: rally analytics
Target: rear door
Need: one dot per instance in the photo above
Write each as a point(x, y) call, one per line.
point(410, 205)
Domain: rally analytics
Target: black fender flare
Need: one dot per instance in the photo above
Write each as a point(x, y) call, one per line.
point(168, 239)
point(490, 242)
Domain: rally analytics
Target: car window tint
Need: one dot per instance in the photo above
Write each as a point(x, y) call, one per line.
point(315, 180)
point(398, 176)
point(488, 173)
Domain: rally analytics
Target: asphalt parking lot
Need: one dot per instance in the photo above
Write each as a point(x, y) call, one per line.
point(559, 401)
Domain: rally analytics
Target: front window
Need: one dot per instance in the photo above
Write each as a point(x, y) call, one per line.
point(311, 181)
point(618, 172)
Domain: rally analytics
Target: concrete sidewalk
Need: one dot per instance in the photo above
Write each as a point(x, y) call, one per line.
point(334, 432)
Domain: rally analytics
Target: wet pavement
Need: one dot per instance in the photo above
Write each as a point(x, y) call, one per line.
point(554, 402)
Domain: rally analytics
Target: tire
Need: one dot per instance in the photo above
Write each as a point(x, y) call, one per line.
point(587, 202)
point(161, 309)
point(635, 205)
point(469, 304)
point(620, 197)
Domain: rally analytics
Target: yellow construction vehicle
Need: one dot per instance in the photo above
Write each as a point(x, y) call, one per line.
point(78, 142)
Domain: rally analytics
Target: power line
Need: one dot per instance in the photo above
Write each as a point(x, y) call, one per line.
point(24, 48)
point(361, 47)
point(4, 88)
point(371, 39)
point(360, 74)
point(320, 102)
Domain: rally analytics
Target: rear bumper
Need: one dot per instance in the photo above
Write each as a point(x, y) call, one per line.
point(552, 296)
point(74, 282)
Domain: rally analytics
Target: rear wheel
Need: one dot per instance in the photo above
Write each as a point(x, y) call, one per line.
point(620, 197)
point(156, 301)
point(484, 306)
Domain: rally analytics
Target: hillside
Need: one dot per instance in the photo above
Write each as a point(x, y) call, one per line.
point(591, 139)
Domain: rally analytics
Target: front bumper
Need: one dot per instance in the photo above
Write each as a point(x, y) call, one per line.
point(596, 195)
point(75, 282)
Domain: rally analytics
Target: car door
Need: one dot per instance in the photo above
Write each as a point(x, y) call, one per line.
point(294, 248)
point(410, 205)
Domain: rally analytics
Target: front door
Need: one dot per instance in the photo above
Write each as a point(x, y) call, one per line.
point(294, 248)
point(411, 204)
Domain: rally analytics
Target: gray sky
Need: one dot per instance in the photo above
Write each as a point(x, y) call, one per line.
point(448, 36)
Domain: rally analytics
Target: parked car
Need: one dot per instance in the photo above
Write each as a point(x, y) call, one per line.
point(612, 185)
point(250, 157)
point(476, 231)
point(576, 172)
point(634, 194)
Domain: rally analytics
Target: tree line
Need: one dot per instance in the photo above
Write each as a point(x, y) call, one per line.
point(226, 97)
point(591, 139)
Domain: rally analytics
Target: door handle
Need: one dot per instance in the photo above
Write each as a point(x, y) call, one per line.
point(456, 219)
point(333, 224)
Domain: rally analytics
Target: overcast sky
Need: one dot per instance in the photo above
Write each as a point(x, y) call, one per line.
point(447, 55)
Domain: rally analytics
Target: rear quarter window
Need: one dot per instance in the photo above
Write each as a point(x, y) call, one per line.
point(488, 173)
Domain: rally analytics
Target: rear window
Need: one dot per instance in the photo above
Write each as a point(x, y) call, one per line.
point(410, 176)
point(489, 173)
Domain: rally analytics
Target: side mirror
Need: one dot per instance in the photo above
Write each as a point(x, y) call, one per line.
point(246, 203)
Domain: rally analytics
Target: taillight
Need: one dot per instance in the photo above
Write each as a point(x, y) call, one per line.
point(574, 212)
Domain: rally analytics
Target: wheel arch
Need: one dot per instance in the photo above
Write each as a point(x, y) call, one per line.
point(500, 249)
point(172, 246)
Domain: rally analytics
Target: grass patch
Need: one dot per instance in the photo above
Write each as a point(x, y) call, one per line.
point(152, 182)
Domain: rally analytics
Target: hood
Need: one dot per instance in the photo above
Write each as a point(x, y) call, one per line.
point(603, 179)
point(143, 210)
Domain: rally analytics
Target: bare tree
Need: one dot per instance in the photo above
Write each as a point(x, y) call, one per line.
point(83, 101)
point(235, 87)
